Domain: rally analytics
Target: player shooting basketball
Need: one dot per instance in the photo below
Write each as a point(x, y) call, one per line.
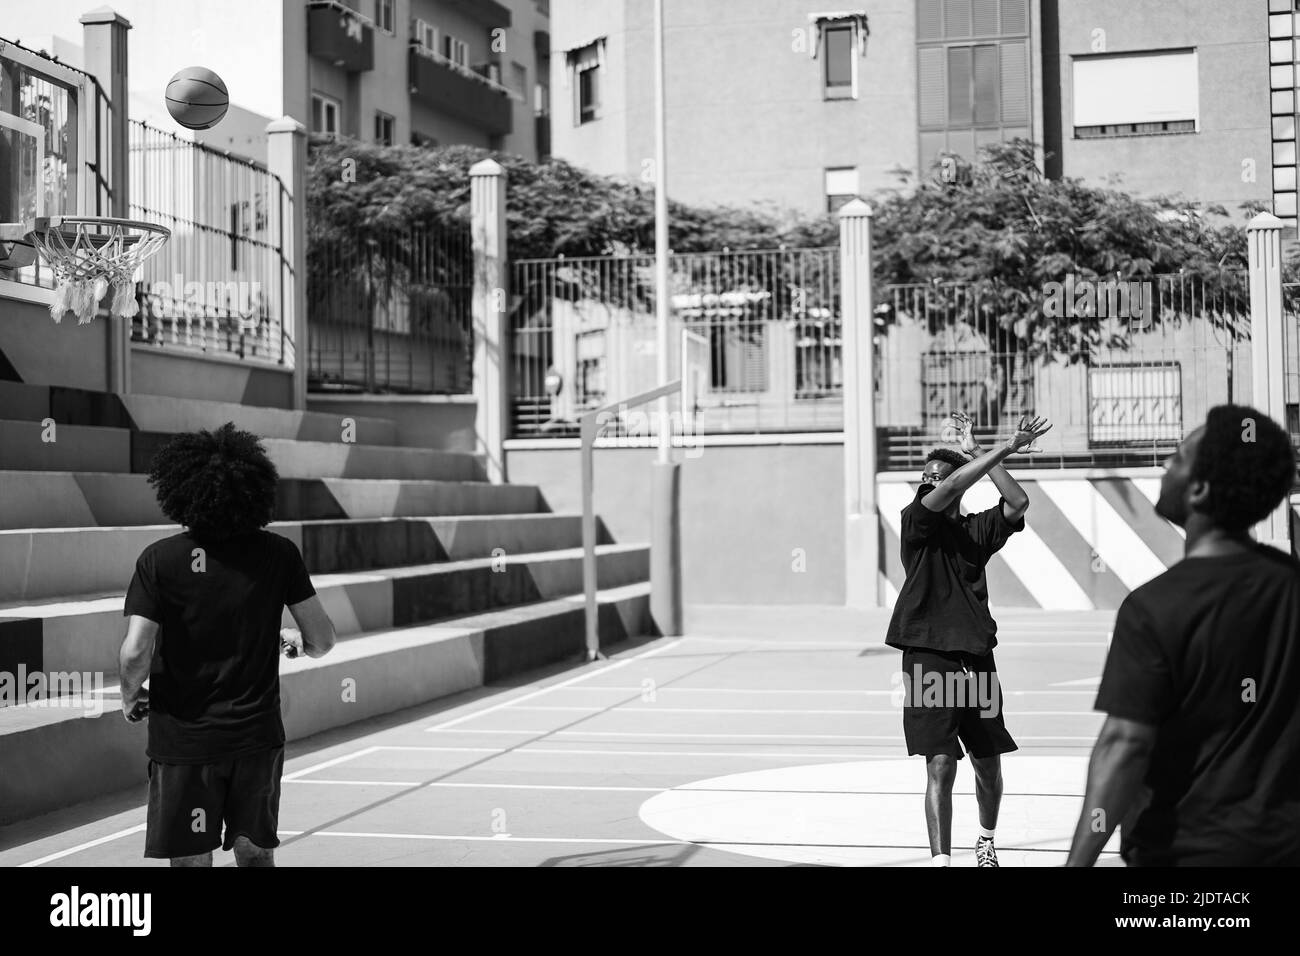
point(942, 624)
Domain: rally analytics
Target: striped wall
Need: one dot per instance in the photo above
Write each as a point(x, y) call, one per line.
point(1090, 538)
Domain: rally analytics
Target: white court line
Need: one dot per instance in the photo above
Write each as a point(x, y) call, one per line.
point(546, 690)
point(85, 846)
point(501, 838)
point(475, 786)
point(755, 710)
point(658, 753)
point(328, 763)
point(850, 693)
point(640, 734)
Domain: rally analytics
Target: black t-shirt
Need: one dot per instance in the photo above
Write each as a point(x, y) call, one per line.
point(214, 690)
point(1209, 653)
point(944, 603)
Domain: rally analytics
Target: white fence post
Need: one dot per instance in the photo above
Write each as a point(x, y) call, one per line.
point(286, 157)
point(491, 282)
point(861, 522)
point(1267, 349)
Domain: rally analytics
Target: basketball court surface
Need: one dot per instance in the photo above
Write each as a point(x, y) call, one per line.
point(764, 737)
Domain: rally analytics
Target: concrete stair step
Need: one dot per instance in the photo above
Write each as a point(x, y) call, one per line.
point(84, 632)
point(162, 413)
point(42, 563)
point(54, 757)
point(61, 499)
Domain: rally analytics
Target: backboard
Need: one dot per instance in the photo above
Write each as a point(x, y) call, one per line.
point(47, 122)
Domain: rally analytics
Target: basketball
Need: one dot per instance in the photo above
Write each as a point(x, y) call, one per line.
point(197, 98)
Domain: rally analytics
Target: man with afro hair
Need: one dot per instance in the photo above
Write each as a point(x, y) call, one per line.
point(1198, 761)
point(204, 610)
point(942, 624)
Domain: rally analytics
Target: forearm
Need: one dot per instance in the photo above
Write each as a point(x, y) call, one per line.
point(971, 472)
point(1007, 486)
point(1115, 775)
point(133, 669)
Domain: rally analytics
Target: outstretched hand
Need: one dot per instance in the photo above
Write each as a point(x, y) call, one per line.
point(966, 434)
point(1027, 432)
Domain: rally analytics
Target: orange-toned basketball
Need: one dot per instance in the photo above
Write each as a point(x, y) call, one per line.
point(197, 98)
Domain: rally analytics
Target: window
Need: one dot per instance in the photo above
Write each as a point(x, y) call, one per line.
point(384, 125)
point(841, 186)
point(1140, 403)
point(425, 35)
point(591, 368)
point(1135, 94)
point(324, 114)
point(519, 81)
point(839, 62)
point(457, 51)
point(542, 99)
point(584, 66)
point(386, 16)
point(973, 74)
point(841, 41)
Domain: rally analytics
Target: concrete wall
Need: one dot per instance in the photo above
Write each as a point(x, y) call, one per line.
point(761, 524)
point(423, 421)
point(156, 371)
point(35, 350)
point(1230, 40)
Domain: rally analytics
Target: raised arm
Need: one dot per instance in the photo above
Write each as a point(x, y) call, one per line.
point(956, 484)
point(1017, 501)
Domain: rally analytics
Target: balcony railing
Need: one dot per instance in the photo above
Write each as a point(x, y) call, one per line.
point(459, 91)
point(341, 35)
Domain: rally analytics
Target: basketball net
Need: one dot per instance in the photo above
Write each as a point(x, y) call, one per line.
point(90, 255)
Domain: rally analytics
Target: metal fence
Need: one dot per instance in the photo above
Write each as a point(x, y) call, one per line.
point(583, 332)
point(1124, 395)
point(391, 313)
point(1291, 357)
point(224, 281)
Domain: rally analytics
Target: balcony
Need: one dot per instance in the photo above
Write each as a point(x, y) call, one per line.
point(460, 92)
point(487, 12)
point(340, 35)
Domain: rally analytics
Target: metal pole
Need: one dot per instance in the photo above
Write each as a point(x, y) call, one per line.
point(661, 230)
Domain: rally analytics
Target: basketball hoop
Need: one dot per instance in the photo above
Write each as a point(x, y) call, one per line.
point(88, 254)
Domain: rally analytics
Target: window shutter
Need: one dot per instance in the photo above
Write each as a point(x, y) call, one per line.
point(1015, 17)
point(956, 19)
point(985, 16)
point(929, 20)
point(959, 83)
point(933, 88)
point(1015, 83)
point(986, 84)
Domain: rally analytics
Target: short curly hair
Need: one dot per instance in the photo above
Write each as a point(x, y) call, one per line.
point(219, 484)
point(954, 458)
point(1248, 479)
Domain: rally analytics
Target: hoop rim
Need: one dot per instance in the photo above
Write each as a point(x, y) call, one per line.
point(46, 224)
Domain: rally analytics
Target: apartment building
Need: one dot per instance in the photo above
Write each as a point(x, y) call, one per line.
point(806, 105)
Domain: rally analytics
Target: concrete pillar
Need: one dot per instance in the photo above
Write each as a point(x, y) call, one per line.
point(861, 522)
point(491, 284)
point(104, 39)
point(1264, 236)
point(286, 157)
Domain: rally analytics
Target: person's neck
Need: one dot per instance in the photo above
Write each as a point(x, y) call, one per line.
point(1206, 540)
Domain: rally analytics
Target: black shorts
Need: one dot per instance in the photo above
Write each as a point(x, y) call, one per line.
point(951, 697)
point(188, 803)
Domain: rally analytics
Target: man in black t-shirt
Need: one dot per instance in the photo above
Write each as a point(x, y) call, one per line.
point(204, 610)
point(941, 621)
point(1198, 761)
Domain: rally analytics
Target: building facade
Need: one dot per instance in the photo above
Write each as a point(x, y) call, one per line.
point(805, 106)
